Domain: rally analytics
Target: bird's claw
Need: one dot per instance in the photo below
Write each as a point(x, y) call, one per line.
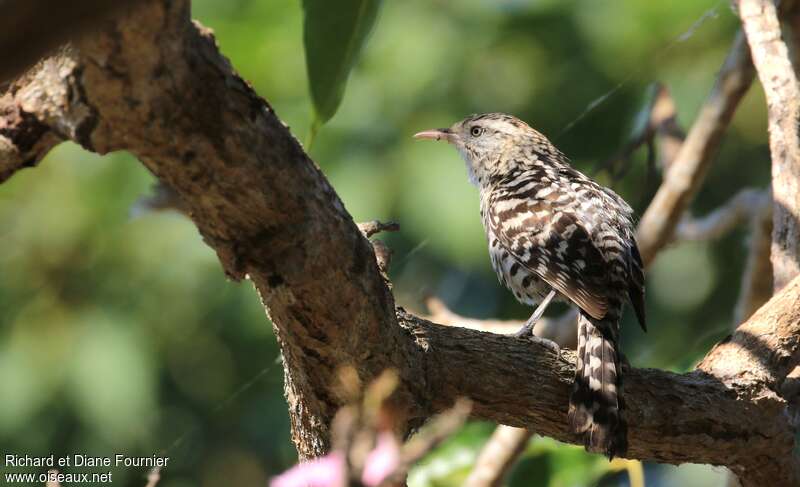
point(548, 344)
point(526, 332)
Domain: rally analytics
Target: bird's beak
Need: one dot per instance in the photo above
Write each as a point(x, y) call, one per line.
point(435, 134)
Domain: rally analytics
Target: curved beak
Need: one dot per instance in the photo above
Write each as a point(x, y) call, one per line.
point(435, 134)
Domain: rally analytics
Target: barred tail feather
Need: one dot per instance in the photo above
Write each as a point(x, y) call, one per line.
point(596, 406)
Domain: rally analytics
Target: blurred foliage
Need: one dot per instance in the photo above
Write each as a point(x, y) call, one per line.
point(122, 335)
point(334, 33)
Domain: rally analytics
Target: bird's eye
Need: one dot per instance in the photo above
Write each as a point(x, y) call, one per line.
point(476, 131)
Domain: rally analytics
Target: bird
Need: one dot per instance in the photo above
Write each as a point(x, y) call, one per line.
point(554, 234)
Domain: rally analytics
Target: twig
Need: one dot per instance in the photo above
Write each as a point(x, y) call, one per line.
point(742, 207)
point(658, 119)
point(366, 448)
point(436, 431)
point(670, 135)
point(429, 437)
point(370, 228)
point(383, 254)
point(687, 172)
point(498, 456)
point(754, 207)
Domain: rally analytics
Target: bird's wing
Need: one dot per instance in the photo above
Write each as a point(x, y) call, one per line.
point(554, 245)
point(636, 286)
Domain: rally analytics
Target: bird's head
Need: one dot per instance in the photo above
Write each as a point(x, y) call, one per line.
point(493, 144)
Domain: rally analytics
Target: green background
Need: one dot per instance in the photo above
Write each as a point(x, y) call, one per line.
point(120, 334)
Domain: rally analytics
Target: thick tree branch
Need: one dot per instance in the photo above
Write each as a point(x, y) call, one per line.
point(24, 139)
point(771, 58)
point(755, 288)
point(724, 413)
point(31, 28)
point(155, 84)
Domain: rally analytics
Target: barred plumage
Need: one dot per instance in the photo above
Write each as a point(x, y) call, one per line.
point(555, 233)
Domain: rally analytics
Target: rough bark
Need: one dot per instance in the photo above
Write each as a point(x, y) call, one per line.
point(756, 286)
point(24, 139)
point(31, 28)
point(155, 84)
point(724, 413)
point(771, 58)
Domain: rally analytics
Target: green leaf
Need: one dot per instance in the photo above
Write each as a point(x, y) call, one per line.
point(334, 35)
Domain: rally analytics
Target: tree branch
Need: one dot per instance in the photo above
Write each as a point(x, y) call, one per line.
point(744, 206)
point(560, 329)
point(498, 456)
point(154, 83)
point(671, 416)
point(29, 29)
point(687, 172)
point(24, 139)
point(771, 59)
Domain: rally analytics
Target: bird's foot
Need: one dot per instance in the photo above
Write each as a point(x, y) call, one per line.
point(527, 328)
point(548, 344)
point(526, 332)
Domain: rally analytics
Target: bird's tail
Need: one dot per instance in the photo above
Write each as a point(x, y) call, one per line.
point(596, 405)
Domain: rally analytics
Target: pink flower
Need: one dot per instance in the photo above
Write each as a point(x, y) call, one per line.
point(382, 461)
point(327, 471)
